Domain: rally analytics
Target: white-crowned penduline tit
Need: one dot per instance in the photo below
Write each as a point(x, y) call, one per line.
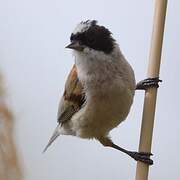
point(99, 90)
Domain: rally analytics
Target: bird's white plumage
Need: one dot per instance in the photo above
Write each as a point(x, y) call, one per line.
point(82, 27)
point(109, 85)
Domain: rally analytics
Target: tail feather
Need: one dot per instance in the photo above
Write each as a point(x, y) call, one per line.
point(53, 138)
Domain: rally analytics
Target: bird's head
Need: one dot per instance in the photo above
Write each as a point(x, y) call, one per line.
point(88, 35)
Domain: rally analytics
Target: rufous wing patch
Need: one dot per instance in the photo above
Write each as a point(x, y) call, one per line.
point(73, 97)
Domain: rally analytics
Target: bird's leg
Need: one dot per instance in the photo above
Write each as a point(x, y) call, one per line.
point(138, 156)
point(148, 83)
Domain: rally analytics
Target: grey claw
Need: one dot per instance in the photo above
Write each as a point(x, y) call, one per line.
point(148, 83)
point(142, 156)
point(146, 153)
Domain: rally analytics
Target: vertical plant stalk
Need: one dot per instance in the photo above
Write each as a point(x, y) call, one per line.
point(9, 164)
point(151, 93)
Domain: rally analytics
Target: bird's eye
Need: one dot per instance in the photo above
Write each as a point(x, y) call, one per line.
point(71, 38)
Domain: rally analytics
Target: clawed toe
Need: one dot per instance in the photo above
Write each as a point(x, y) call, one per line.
point(142, 156)
point(146, 154)
point(138, 156)
point(147, 83)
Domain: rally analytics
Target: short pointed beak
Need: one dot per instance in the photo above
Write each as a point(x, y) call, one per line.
point(75, 45)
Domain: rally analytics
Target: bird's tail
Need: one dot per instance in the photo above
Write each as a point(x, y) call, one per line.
point(53, 137)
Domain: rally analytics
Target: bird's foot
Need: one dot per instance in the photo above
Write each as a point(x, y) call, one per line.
point(141, 156)
point(148, 83)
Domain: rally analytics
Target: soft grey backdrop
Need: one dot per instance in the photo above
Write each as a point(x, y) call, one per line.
point(35, 63)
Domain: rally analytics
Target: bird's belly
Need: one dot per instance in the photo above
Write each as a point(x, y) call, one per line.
point(102, 114)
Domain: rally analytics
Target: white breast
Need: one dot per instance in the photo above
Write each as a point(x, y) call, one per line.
point(109, 86)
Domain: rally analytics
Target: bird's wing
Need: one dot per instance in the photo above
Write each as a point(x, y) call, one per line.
point(71, 102)
point(72, 99)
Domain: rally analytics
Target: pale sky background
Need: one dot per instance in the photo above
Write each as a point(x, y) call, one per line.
point(33, 34)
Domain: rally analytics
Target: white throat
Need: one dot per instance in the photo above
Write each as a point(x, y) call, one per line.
point(96, 68)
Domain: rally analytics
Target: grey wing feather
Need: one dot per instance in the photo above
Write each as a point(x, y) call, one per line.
point(65, 111)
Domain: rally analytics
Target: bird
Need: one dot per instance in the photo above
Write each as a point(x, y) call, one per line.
point(99, 90)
